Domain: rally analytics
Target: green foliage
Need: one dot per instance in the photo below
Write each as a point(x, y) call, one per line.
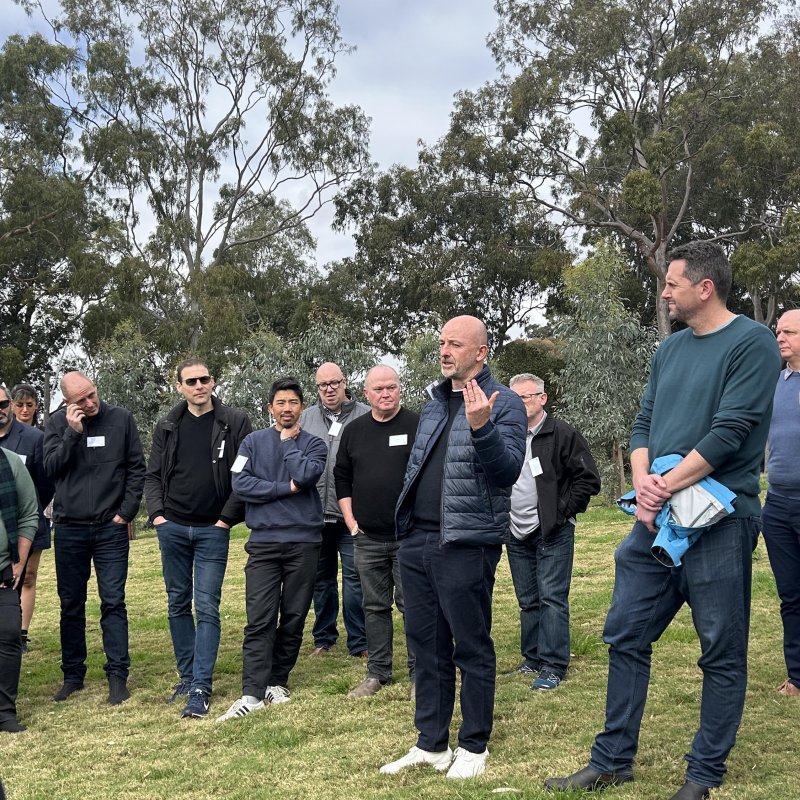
point(606, 357)
point(540, 357)
point(420, 368)
point(444, 239)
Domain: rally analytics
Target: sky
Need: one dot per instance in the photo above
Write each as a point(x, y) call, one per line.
point(411, 57)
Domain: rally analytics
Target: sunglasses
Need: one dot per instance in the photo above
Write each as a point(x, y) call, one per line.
point(5, 403)
point(204, 379)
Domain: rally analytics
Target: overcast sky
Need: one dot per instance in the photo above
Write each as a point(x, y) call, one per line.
point(411, 57)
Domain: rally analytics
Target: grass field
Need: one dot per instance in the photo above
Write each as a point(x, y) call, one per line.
point(324, 745)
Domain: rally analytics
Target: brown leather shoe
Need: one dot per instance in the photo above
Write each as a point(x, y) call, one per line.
point(319, 651)
point(788, 689)
point(367, 688)
point(361, 654)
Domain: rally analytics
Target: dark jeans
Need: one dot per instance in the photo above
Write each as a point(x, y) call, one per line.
point(76, 547)
point(379, 570)
point(10, 650)
point(201, 553)
point(338, 541)
point(781, 518)
point(448, 595)
point(279, 578)
point(542, 573)
point(715, 580)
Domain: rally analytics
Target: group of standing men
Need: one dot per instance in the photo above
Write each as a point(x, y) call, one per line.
point(482, 460)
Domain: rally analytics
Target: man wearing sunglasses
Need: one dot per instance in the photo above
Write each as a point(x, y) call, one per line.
point(335, 410)
point(189, 500)
point(93, 453)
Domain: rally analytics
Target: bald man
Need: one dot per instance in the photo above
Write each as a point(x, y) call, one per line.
point(781, 514)
point(327, 419)
point(452, 517)
point(369, 471)
point(93, 453)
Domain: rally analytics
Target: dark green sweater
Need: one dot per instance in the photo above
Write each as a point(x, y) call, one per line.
point(713, 394)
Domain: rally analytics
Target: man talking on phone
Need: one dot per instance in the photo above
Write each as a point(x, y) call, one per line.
point(93, 453)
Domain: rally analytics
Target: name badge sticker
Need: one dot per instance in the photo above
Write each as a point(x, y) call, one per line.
point(238, 465)
point(335, 427)
point(398, 440)
point(95, 441)
point(536, 467)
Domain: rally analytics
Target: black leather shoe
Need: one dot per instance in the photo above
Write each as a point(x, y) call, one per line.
point(588, 779)
point(117, 690)
point(69, 687)
point(691, 791)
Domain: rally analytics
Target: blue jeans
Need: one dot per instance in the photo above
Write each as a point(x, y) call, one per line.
point(542, 572)
point(337, 541)
point(781, 518)
point(202, 551)
point(715, 580)
point(448, 597)
point(77, 546)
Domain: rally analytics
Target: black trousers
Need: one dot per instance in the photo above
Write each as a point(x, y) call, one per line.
point(279, 585)
point(10, 650)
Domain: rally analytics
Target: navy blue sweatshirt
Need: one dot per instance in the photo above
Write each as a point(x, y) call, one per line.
point(261, 476)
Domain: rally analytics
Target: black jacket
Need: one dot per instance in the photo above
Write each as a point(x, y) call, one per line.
point(231, 425)
point(95, 483)
point(569, 476)
point(26, 441)
point(480, 467)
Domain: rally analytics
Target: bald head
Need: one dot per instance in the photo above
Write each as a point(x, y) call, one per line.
point(463, 347)
point(331, 385)
point(788, 336)
point(80, 391)
point(382, 390)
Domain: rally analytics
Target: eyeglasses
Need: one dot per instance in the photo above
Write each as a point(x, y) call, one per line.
point(526, 397)
point(330, 384)
point(204, 379)
point(5, 403)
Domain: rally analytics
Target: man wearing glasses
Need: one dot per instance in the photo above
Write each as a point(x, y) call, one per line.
point(556, 483)
point(93, 453)
point(327, 419)
point(189, 500)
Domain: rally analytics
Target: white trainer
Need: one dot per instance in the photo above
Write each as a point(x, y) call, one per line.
point(277, 694)
point(439, 761)
point(241, 708)
point(467, 765)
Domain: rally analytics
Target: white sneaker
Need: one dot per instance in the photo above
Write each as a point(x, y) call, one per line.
point(467, 765)
point(241, 708)
point(277, 694)
point(440, 761)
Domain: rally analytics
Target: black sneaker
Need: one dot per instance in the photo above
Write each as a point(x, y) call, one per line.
point(197, 705)
point(179, 690)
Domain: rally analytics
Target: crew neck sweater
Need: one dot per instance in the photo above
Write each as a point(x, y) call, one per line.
point(784, 438)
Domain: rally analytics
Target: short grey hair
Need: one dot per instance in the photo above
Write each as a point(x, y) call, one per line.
point(527, 376)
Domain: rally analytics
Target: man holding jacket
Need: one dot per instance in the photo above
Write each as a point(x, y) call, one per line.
point(189, 500)
point(555, 484)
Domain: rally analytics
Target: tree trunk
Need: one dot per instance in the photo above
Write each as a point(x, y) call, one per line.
point(619, 467)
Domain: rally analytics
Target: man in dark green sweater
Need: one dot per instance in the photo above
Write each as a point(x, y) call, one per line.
point(709, 400)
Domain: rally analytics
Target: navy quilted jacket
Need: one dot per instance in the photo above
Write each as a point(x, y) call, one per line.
point(480, 468)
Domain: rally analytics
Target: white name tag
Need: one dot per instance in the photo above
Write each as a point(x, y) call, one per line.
point(95, 441)
point(536, 467)
point(335, 427)
point(238, 465)
point(398, 440)
point(23, 458)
